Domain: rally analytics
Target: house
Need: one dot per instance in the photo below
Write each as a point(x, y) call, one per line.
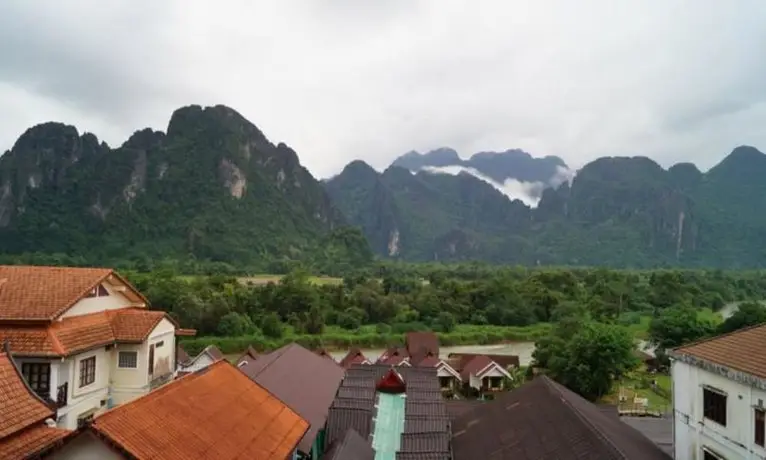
point(543, 420)
point(461, 359)
point(449, 378)
point(84, 338)
point(27, 422)
point(182, 357)
point(349, 447)
point(399, 412)
point(215, 412)
point(306, 382)
point(421, 343)
point(249, 355)
point(394, 356)
point(483, 374)
point(206, 357)
point(324, 354)
point(354, 356)
point(719, 396)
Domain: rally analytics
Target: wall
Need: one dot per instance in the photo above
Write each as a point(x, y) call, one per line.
point(692, 431)
point(113, 301)
point(85, 446)
point(82, 400)
point(164, 355)
point(127, 383)
point(201, 362)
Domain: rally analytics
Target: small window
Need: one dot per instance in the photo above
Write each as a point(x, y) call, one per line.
point(714, 406)
point(98, 291)
point(760, 427)
point(159, 344)
point(127, 359)
point(87, 371)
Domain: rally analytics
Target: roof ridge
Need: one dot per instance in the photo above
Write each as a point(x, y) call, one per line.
point(716, 337)
point(79, 297)
point(554, 387)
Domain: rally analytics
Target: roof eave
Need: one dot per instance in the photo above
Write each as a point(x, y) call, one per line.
point(736, 375)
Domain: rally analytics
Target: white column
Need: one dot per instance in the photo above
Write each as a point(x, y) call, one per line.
point(54, 380)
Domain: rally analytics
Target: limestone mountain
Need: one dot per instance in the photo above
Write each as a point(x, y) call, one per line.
point(212, 187)
point(617, 211)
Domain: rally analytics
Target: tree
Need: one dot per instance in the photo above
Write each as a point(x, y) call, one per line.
point(676, 326)
point(234, 324)
point(747, 314)
point(272, 326)
point(446, 322)
point(594, 357)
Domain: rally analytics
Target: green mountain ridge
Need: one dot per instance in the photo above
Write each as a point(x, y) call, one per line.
point(212, 188)
point(618, 211)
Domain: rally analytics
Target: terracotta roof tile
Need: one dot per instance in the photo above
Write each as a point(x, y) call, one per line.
point(734, 350)
point(302, 379)
point(83, 332)
point(19, 407)
point(23, 431)
point(31, 442)
point(214, 413)
point(39, 293)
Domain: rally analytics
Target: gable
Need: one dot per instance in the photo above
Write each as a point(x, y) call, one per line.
point(493, 370)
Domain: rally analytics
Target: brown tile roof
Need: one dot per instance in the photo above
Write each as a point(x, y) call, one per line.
point(474, 365)
point(43, 293)
point(459, 360)
point(544, 420)
point(78, 333)
point(302, 379)
point(354, 356)
point(213, 352)
point(417, 341)
point(458, 407)
point(429, 361)
point(23, 431)
point(733, 350)
point(250, 354)
point(392, 352)
point(181, 355)
point(350, 447)
point(216, 413)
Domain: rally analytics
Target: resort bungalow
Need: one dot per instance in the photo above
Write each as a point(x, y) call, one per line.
point(394, 356)
point(354, 356)
point(484, 375)
point(449, 379)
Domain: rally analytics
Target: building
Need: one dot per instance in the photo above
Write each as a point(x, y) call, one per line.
point(421, 343)
point(399, 412)
point(216, 413)
point(719, 396)
point(394, 356)
point(27, 422)
point(449, 379)
point(543, 420)
point(482, 374)
point(304, 380)
point(206, 357)
point(354, 356)
point(84, 338)
point(349, 447)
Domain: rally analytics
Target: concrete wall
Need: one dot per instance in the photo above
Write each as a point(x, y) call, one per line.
point(163, 355)
point(86, 446)
point(127, 383)
point(692, 432)
point(113, 301)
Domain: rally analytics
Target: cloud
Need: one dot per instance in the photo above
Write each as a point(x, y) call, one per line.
point(677, 81)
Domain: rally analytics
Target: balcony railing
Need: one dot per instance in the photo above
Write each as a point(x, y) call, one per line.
point(62, 395)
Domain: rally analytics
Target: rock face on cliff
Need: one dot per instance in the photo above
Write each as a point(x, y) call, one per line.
point(617, 211)
point(213, 187)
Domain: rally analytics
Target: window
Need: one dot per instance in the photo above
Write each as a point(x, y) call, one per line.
point(87, 371)
point(159, 344)
point(127, 359)
point(760, 427)
point(38, 376)
point(151, 359)
point(714, 405)
point(98, 291)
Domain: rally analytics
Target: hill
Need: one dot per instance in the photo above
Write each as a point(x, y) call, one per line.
point(617, 211)
point(212, 188)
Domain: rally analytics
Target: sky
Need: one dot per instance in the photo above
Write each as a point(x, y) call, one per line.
point(678, 80)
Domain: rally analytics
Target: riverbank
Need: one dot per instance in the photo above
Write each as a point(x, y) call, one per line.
point(335, 339)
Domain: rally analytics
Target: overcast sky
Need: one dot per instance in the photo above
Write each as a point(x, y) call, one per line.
point(343, 79)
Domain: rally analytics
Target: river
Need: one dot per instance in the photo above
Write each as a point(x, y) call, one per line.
point(521, 349)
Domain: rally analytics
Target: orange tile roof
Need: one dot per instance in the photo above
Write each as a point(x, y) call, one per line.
point(40, 293)
point(22, 416)
point(79, 333)
point(217, 412)
point(734, 350)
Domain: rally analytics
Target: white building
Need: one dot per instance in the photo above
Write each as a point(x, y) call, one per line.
point(83, 338)
point(719, 397)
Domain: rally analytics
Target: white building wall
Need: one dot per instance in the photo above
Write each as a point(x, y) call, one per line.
point(128, 383)
point(113, 301)
point(164, 356)
point(88, 398)
point(692, 432)
point(201, 362)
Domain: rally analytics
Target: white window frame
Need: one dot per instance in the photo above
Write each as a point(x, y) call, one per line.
point(126, 367)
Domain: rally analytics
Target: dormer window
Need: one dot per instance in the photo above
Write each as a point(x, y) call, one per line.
point(98, 291)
